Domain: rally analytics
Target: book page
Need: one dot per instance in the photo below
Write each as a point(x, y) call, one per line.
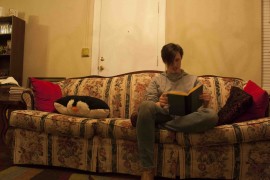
point(178, 93)
point(185, 93)
point(181, 105)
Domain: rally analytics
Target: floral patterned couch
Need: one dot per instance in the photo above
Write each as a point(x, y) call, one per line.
point(234, 151)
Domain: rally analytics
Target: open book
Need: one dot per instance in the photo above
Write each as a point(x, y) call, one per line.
point(183, 103)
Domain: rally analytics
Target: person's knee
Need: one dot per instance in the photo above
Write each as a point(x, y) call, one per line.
point(146, 115)
point(146, 106)
point(146, 112)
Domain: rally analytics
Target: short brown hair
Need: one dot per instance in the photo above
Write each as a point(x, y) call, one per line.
point(168, 52)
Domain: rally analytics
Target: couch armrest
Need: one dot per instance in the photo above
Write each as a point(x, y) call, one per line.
point(28, 98)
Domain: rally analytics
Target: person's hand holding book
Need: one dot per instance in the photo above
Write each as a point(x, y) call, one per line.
point(163, 100)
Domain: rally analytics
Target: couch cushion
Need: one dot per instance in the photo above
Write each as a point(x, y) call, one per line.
point(45, 94)
point(249, 131)
point(122, 93)
point(118, 128)
point(53, 123)
point(260, 102)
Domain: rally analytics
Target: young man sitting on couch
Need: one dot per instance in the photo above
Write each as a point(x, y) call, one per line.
point(154, 111)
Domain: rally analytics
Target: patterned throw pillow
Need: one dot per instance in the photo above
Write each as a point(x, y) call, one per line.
point(237, 103)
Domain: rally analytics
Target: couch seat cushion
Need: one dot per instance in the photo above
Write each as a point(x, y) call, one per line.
point(249, 131)
point(53, 123)
point(118, 128)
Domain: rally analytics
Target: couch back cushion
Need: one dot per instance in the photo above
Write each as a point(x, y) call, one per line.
point(124, 93)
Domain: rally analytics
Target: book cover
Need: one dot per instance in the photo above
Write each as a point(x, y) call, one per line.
point(183, 103)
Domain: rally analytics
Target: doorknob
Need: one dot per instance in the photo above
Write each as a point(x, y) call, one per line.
point(102, 59)
point(100, 68)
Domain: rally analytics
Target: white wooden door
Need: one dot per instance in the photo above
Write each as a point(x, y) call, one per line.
point(127, 36)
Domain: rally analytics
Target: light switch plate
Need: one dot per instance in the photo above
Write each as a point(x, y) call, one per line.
point(85, 52)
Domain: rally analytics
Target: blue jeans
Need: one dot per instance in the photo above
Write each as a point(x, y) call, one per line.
point(150, 115)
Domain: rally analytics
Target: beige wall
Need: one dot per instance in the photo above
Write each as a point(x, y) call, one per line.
point(56, 31)
point(221, 37)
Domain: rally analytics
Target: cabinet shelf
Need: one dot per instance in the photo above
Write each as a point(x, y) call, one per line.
point(6, 34)
point(11, 64)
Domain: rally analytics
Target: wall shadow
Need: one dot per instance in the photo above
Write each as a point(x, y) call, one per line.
point(35, 48)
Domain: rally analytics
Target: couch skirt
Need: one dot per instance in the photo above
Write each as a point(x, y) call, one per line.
point(30, 147)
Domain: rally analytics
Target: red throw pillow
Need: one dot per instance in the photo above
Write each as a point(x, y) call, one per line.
point(260, 102)
point(45, 94)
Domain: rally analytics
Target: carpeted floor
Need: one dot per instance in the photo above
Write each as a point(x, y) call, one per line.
point(26, 173)
point(11, 172)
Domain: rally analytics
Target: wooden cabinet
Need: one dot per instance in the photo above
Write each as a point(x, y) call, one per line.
point(12, 31)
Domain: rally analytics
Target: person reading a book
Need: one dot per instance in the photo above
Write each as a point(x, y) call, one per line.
point(154, 111)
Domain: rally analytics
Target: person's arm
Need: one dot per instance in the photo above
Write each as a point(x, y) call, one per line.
point(152, 91)
point(153, 94)
point(205, 96)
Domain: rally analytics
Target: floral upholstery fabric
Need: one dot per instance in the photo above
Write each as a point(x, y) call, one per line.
point(238, 161)
point(123, 129)
point(122, 156)
point(219, 88)
point(32, 147)
point(123, 93)
point(250, 131)
point(234, 151)
point(53, 123)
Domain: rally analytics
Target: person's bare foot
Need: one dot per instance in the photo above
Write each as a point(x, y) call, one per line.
point(148, 174)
